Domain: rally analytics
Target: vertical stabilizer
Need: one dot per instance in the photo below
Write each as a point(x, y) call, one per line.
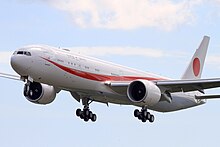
point(195, 67)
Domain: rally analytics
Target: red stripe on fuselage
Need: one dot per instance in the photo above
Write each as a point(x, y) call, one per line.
point(98, 77)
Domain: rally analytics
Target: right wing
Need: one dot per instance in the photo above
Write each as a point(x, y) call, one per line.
point(170, 85)
point(10, 76)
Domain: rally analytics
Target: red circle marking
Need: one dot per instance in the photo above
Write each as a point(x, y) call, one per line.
point(196, 66)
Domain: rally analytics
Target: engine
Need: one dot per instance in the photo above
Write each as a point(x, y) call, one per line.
point(144, 91)
point(39, 93)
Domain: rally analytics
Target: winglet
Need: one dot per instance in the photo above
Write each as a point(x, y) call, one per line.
point(195, 67)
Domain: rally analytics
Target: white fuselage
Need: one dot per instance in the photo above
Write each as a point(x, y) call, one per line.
point(86, 76)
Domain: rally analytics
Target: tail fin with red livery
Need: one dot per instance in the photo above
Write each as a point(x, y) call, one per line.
point(195, 67)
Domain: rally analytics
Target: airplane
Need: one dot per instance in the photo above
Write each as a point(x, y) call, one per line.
point(47, 70)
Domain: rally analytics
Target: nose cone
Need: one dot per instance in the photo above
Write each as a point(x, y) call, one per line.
point(19, 65)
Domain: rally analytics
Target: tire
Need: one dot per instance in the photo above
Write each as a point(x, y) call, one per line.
point(86, 119)
point(78, 112)
point(144, 113)
point(140, 117)
point(86, 112)
point(90, 115)
point(82, 116)
point(148, 116)
point(151, 118)
point(144, 120)
point(136, 113)
point(94, 117)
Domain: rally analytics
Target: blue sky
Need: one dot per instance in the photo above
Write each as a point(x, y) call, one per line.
point(157, 36)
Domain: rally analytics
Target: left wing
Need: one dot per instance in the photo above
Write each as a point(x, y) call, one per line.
point(188, 85)
point(172, 85)
point(118, 86)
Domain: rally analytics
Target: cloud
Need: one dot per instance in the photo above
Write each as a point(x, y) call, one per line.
point(217, 1)
point(5, 57)
point(120, 51)
point(213, 60)
point(127, 14)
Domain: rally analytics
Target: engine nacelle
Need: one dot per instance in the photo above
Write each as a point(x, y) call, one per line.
point(144, 91)
point(39, 93)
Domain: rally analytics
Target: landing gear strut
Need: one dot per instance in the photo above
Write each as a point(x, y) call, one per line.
point(86, 114)
point(144, 115)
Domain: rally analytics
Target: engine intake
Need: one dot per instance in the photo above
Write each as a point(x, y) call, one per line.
point(39, 93)
point(144, 91)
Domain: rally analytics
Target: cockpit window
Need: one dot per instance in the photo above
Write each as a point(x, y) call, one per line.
point(20, 52)
point(23, 53)
point(27, 53)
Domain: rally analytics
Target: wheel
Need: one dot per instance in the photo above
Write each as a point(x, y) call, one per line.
point(143, 120)
point(78, 112)
point(151, 118)
point(86, 119)
point(140, 117)
point(90, 114)
point(144, 113)
point(148, 116)
point(82, 116)
point(93, 117)
point(86, 112)
point(136, 113)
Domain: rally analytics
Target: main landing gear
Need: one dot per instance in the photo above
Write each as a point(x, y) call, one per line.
point(143, 115)
point(86, 114)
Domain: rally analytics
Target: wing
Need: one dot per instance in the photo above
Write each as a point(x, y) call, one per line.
point(171, 85)
point(188, 85)
point(10, 76)
point(118, 86)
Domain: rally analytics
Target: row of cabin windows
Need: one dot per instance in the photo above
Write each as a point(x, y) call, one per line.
point(86, 67)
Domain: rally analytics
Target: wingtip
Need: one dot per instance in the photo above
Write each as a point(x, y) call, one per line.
point(206, 37)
